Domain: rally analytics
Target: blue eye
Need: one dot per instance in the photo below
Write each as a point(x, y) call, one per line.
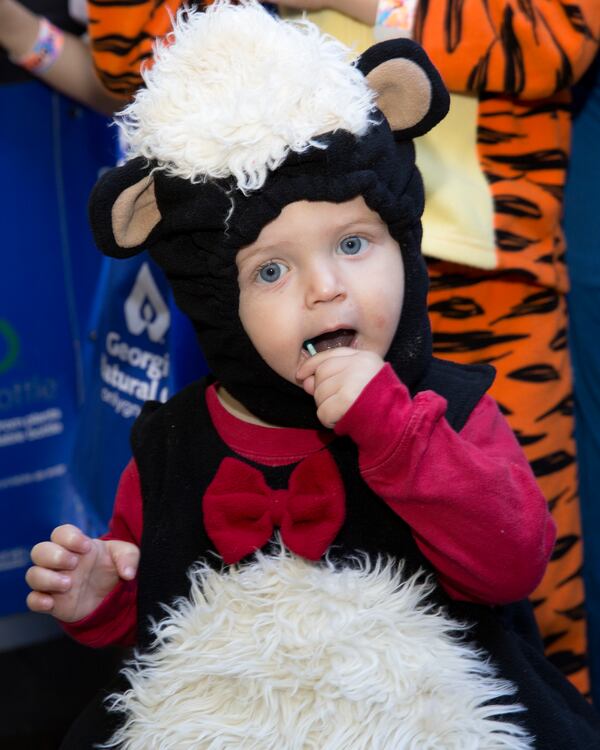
point(353, 245)
point(271, 272)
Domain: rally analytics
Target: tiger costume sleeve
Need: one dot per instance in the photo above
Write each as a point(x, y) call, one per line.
point(529, 49)
point(122, 33)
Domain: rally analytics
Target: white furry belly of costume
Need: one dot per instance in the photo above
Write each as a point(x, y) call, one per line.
point(284, 654)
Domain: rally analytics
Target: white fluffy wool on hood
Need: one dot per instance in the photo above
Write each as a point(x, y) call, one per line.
point(284, 654)
point(234, 90)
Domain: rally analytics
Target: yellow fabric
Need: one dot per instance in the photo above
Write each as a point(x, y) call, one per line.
point(354, 34)
point(458, 223)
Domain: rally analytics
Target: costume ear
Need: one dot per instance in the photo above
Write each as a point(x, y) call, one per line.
point(123, 209)
point(410, 91)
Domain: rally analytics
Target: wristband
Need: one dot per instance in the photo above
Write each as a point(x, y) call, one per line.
point(46, 49)
point(395, 18)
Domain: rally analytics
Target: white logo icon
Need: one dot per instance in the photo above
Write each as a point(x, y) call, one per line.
point(145, 309)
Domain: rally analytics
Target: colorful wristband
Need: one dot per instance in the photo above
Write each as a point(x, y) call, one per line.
point(395, 18)
point(47, 48)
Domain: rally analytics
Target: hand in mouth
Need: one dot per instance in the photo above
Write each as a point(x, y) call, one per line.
point(330, 340)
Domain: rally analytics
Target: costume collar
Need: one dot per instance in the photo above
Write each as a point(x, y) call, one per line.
point(270, 446)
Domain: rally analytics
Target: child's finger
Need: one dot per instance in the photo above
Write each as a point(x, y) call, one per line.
point(38, 602)
point(309, 366)
point(47, 581)
point(309, 385)
point(51, 555)
point(325, 388)
point(125, 556)
point(332, 367)
point(328, 413)
point(71, 538)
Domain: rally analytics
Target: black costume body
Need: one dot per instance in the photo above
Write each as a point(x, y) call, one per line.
point(178, 452)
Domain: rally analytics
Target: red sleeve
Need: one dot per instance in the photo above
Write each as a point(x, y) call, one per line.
point(470, 498)
point(114, 620)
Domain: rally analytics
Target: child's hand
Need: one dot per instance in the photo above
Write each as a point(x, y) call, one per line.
point(335, 379)
point(73, 573)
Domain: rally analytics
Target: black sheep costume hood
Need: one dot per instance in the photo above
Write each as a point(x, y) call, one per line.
point(193, 229)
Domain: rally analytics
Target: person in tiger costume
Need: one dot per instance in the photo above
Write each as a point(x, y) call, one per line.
point(494, 173)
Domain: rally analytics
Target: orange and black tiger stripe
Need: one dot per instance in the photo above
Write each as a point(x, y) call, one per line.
point(503, 319)
point(518, 59)
point(122, 33)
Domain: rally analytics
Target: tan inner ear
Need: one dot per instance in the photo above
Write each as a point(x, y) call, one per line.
point(135, 213)
point(403, 92)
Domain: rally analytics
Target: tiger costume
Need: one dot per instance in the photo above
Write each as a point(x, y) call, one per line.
point(498, 295)
point(494, 173)
point(121, 37)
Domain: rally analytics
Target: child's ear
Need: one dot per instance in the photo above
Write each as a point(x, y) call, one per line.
point(123, 209)
point(410, 91)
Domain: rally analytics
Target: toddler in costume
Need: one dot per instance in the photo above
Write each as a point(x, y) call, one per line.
point(310, 550)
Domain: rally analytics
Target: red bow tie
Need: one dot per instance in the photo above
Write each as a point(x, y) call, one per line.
point(241, 510)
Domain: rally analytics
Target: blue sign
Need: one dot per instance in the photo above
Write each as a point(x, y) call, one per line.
point(140, 348)
point(84, 340)
point(52, 151)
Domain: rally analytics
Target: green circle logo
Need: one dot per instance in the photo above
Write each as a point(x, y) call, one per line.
point(12, 346)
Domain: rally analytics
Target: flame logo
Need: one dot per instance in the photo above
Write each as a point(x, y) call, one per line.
point(145, 308)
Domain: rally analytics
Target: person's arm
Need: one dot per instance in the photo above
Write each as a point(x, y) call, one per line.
point(90, 585)
point(71, 73)
point(470, 498)
point(361, 10)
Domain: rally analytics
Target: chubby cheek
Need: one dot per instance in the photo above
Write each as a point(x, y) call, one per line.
point(384, 300)
point(270, 334)
point(386, 324)
point(254, 316)
point(384, 327)
point(380, 322)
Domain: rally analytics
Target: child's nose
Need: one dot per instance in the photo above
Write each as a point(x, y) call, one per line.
point(324, 285)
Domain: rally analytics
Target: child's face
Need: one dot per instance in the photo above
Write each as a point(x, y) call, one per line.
point(325, 272)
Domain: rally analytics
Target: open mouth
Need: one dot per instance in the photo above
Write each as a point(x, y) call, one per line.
point(330, 340)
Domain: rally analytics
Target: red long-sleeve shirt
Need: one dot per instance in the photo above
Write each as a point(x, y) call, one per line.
point(470, 497)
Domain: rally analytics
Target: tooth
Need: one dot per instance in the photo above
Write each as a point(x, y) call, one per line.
point(309, 346)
